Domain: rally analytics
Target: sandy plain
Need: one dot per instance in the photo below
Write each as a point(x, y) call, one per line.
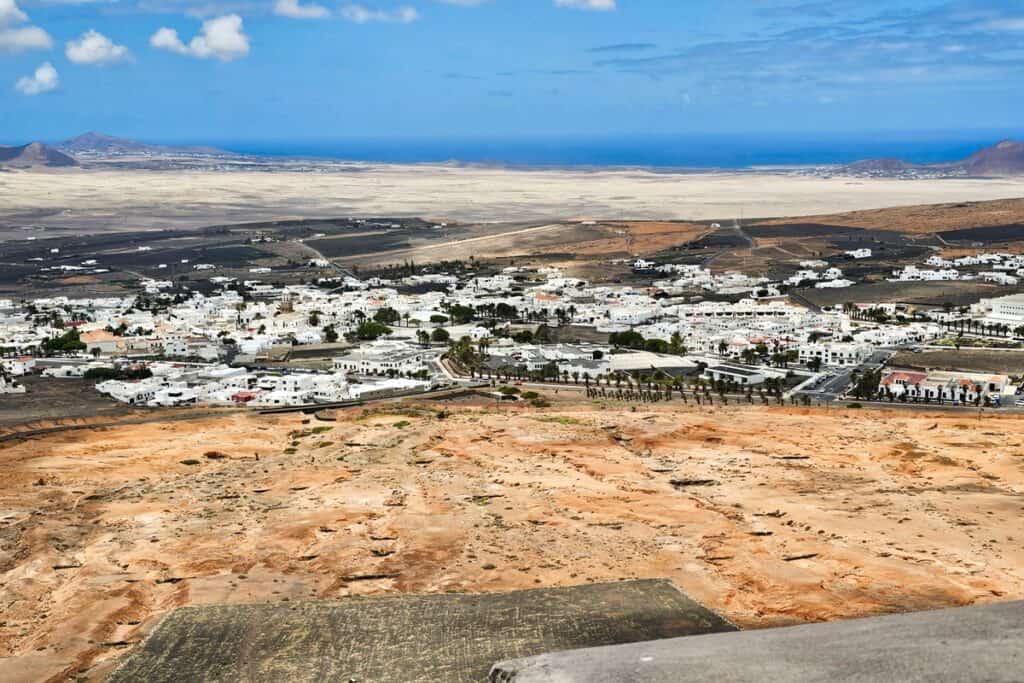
point(105, 199)
point(768, 515)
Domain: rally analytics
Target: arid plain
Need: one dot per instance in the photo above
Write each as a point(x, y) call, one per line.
point(769, 515)
point(120, 199)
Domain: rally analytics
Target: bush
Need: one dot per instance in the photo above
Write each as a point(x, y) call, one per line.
point(509, 391)
point(540, 403)
point(530, 395)
point(103, 374)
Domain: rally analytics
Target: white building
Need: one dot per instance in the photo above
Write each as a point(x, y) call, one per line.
point(387, 357)
point(1008, 308)
point(838, 354)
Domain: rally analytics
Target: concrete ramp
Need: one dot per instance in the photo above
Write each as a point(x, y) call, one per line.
point(444, 638)
point(968, 644)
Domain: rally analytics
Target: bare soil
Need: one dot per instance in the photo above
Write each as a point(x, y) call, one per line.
point(769, 516)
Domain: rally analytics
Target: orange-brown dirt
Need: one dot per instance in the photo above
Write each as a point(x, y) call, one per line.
point(922, 219)
point(776, 516)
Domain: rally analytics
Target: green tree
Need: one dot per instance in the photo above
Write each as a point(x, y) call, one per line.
point(461, 314)
point(627, 340)
point(69, 342)
point(387, 316)
point(369, 330)
point(676, 346)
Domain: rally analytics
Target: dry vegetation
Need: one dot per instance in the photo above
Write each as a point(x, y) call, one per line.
point(923, 219)
point(835, 514)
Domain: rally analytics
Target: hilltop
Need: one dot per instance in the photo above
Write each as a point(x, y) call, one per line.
point(34, 155)
point(768, 516)
point(1003, 158)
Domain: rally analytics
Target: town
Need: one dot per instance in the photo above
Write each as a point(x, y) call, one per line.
point(510, 332)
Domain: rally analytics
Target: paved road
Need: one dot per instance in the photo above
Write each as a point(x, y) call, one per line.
point(969, 644)
point(833, 388)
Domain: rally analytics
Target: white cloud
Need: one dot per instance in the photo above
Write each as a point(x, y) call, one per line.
point(362, 15)
point(602, 5)
point(21, 38)
point(95, 48)
point(10, 13)
point(1004, 24)
point(294, 10)
point(221, 38)
point(43, 80)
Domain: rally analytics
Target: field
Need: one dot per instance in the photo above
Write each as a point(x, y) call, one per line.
point(838, 514)
point(920, 293)
point(500, 217)
point(994, 234)
point(935, 217)
point(48, 400)
point(970, 360)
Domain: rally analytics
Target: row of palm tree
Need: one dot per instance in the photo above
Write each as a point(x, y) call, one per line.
point(970, 326)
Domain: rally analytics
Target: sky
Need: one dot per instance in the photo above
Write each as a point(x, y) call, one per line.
point(212, 70)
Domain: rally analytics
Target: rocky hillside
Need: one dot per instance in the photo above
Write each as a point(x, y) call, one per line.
point(34, 155)
point(101, 144)
point(1001, 159)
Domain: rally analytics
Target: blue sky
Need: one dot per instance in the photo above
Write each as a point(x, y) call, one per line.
point(209, 70)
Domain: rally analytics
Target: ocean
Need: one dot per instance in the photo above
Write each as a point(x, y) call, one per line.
point(702, 152)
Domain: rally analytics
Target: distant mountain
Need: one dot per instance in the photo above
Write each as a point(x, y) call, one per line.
point(1003, 158)
point(100, 144)
point(882, 165)
point(34, 155)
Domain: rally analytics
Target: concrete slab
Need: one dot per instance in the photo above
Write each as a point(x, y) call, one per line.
point(447, 638)
point(969, 644)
